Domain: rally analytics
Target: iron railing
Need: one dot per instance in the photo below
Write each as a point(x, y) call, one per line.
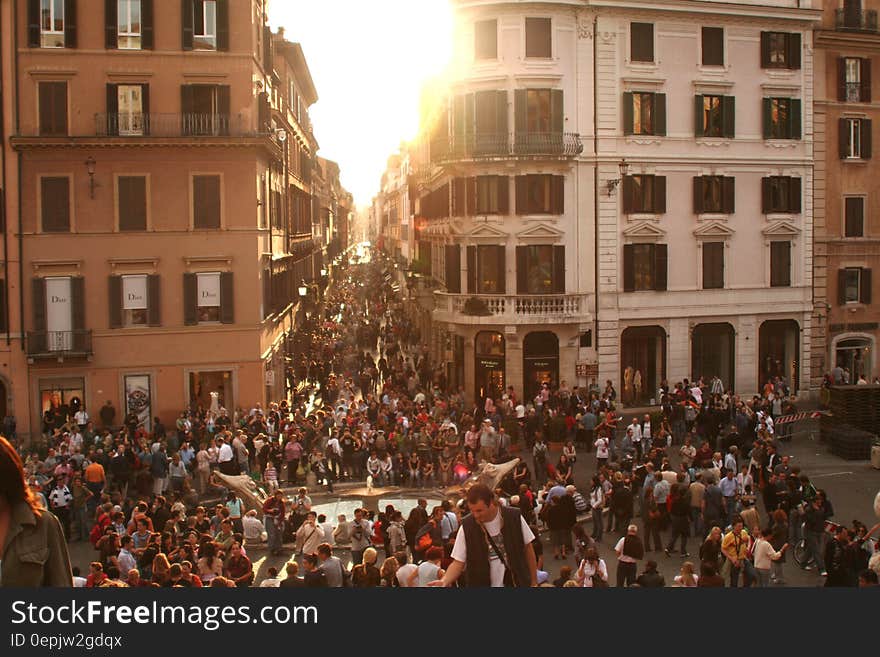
point(500, 145)
point(51, 344)
point(863, 20)
point(170, 125)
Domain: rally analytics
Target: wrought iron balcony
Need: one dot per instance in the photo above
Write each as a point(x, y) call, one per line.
point(514, 308)
point(171, 125)
point(861, 21)
point(59, 344)
point(503, 145)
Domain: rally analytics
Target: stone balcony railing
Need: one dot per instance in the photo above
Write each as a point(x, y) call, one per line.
point(510, 308)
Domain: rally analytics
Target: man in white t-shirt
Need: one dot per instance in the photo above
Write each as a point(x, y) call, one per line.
point(502, 537)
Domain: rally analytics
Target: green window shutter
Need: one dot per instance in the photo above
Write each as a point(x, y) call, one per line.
point(471, 270)
point(767, 104)
point(766, 195)
point(628, 195)
point(503, 194)
point(629, 271)
point(557, 116)
point(660, 115)
point(470, 109)
point(661, 264)
point(765, 50)
point(112, 109)
point(38, 286)
point(698, 194)
point(794, 50)
point(841, 79)
point(522, 194)
point(865, 286)
point(453, 269)
point(78, 304)
point(795, 118)
point(794, 204)
point(628, 113)
point(114, 300)
point(558, 200)
point(698, 116)
point(520, 110)
point(659, 194)
point(728, 195)
point(728, 116)
point(502, 270)
point(501, 113)
point(471, 186)
point(154, 301)
point(559, 270)
point(865, 79)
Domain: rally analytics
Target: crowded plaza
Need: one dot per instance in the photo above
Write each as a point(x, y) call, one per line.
point(563, 490)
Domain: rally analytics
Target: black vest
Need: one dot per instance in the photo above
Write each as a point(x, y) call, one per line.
point(477, 566)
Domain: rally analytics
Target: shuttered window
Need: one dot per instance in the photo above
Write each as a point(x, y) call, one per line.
point(855, 139)
point(540, 194)
point(644, 113)
point(715, 116)
point(714, 194)
point(780, 50)
point(486, 39)
point(854, 285)
point(132, 199)
point(780, 264)
point(713, 265)
point(854, 220)
point(644, 267)
point(206, 201)
point(713, 46)
point(538, 38)
point(644, 194)
point(53, 108)
point(641, 42)
point(780, 194)
point(55, 204)
point(782, 118)
point(540, 269)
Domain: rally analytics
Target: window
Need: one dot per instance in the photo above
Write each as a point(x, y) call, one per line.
point(130, 109)
point(855, 139)
point(206, 201)
point(492, 195)
point(644, 113)
point(134, 301)
point(714, 194)
point(782, 118)
point(586, 340)
point(715, 116)
point(538, 38)
point(486, 270)
point(55, 204)
point(132, 199)
point(128, 31)
point(641, 42)
point(853, 285)
point(205, 109)
point(53, 108)
point(780, 50)
point(780, 194)
point(205, 25)
point(713, 265)
point(538, 115)
point(854, 221)
point(540, 194)
point(52, 24)
point(854, 80)
point(486, 39)
point(538, 111)
point(644, 194)
point(540, 269)
point(644, 267)
point(780, 264)
point(713, 46)
point(208, 303)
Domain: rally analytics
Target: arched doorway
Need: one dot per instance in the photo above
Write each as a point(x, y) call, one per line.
point(713, 353)
point(642, 363)
point(540, 362)
point(854, 354)
point(779, 352)
point(489, 352)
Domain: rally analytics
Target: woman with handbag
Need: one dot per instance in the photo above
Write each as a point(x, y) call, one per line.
point(592, 573)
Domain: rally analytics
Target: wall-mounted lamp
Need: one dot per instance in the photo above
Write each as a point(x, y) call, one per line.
point(90, 167)
point(303, 290)
point(623, 167)
point(323, 272)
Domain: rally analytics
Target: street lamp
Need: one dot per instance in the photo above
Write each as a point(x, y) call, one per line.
point(90, 168)
point(303, 290)
point(623, 167)
point(323, 272)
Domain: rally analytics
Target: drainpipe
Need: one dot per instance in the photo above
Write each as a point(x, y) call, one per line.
point(3, 212)
point(596, 186)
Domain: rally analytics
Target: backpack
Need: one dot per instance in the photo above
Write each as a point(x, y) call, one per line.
point(424, 539)
point(580, 503)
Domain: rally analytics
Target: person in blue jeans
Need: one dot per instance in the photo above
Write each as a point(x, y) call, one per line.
point(815, 515)
point(597, 503)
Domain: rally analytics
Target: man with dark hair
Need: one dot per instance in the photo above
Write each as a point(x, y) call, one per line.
point(313, 577)
point(494, 543)
point(332, 566)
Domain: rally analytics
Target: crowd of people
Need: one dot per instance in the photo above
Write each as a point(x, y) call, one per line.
point(367, 404)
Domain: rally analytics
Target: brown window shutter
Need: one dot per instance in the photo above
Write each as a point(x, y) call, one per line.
point(111, 23)
point(866, 139)
point(559, 270)
point(767, 120)
point(501, 116)
point(841, 287)
point(659, 183)
point(222, 24)
point(629, 268)
point(765, 49)
point(661, 264)
point(522, 279)
point(224, 107)
point(191, 299)
point(471, 196)
point(132, 209)
point(38, 285)
point(865, 77)
point(147, 21)
point(114, 300)
point(841, 78)
point(187, 23)
point(458, 204)
point(728, 116)
point(660, 115)
point(557, 117)
point(154, 300)
point(520, 113)
point(794, 188)
point(53, 108)
point(865, 286)
point(795, 118)
point(698, 194)
point(698, 116)
point(112, 109)
point(794, 50)
point(766, 195)
point(628, 195)
point(628, 113)
point(33, 20)
point(55, 202)
point(503, 194)
point(522, 194)
point(78, 304)
point(70, 23)
point(206, 201)
point(453, 269)
point(728, 195)
point(4, 307)
point(187, 108)
point(502, 270)
point(558, 195)
point(472, 270)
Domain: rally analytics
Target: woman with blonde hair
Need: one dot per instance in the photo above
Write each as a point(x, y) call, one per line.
point(161, 566)
point(687, 579)
point(710, 550)
point(365, 574)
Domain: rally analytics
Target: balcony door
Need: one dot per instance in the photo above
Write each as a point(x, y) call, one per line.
point(131, 109)
point(59, 314)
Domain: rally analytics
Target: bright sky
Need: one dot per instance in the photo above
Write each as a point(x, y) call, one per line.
point(368, 60)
